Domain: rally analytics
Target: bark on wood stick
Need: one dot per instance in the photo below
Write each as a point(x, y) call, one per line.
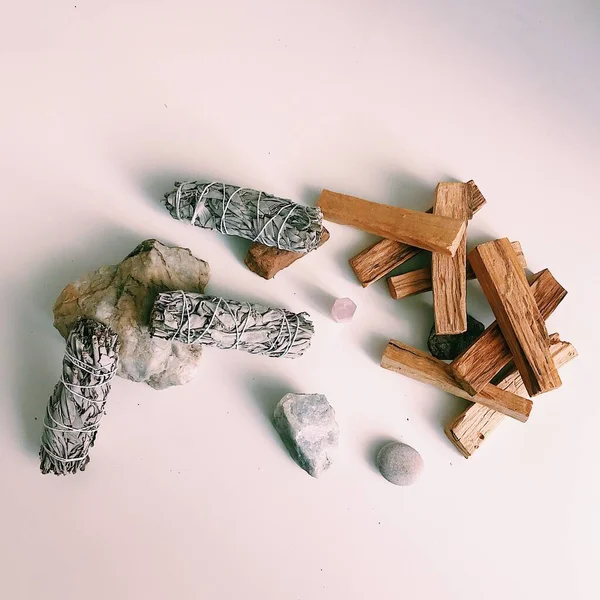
point(267, 261)
point(418, 365)
point(424, 230)
point(474, 425)
point(449, 273)
point(505, 286)
point(380, 258)
point(419, 280)
point(490, 353)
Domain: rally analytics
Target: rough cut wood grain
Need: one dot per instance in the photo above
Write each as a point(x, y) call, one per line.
point(423, 367)
point(409, 284)
point(477, 199)
point(424, 230)
point(505, 286)
point(380, 258)
point(267, 261)
point(419, 280)
point(449, 273)
point(383, 256)
point(490, 353)
point(474, 425)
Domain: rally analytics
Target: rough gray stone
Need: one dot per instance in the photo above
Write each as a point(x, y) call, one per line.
point(399, 463)
point(307, 426)
point(448, 347)
point(121, 296)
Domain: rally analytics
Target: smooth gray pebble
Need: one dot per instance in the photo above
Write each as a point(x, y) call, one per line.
point(399, 463)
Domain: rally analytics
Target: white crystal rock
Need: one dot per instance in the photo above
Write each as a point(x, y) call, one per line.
point(307, 426)
point(122, 296)
point(343, 310)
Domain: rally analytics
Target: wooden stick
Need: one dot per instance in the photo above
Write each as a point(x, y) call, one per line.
point(419, 280)
point(489, 354)
point(477, 198)
point(505, 286)
point(418, 365)
point(380, 258)
point(424, 230)
point(267, 261)
point(449, 273)
point(411, 283)
point(383, 256)
point(474, 425)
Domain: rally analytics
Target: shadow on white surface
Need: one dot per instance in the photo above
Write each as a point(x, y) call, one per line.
point(374, 345)
point(410, 319)
point(238, 246)
point(155, 185)
point(34, 377)
point(317, 298)
point(310, 195)
point(445, 410)
point(407, 190)
point(340, 255)
point(266, 391)
point(373, 448)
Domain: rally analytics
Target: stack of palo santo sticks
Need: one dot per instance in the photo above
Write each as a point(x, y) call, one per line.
point(515, 358)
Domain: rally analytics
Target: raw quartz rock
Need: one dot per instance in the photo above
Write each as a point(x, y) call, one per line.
point(121, 296)
point(343, 310)
point(307, 426)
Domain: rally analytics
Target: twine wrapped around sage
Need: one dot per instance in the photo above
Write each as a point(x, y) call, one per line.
point(76, 407)
point(201, 319)
point(247, 213)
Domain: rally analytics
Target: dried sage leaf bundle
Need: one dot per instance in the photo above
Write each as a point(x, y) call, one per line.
point(247, 213)
point(201, 319)
point(76, 407)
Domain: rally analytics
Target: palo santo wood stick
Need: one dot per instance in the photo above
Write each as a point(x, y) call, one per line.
point(418, 365)
point(505, 286)
point(473, 426)
point(449, 273)
point(489, 354)
point(419, 280)
point(424, 230)
point(267, 261)
point(409, 284)
point(383, 256)
point(380, 258)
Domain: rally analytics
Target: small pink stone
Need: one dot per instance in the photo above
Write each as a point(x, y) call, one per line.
point(343, 310)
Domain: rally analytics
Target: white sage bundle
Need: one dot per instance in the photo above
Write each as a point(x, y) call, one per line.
point(247, 213)
point(76, 407)
point(200, 319)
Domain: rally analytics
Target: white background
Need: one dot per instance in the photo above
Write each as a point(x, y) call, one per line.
point(190, 494)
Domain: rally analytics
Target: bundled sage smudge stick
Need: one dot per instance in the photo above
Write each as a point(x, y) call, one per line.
point(247, 213)
point(76, 407)
point(200, 319)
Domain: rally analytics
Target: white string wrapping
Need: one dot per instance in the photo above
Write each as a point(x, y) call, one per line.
point(247, 213)
point(76, 407)
point(228, 324)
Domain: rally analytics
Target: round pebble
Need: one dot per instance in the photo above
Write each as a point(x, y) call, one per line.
point(399, 463)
